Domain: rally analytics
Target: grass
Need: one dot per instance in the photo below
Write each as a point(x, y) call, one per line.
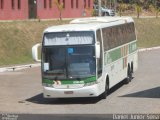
point(17, 38)
point(148, 32)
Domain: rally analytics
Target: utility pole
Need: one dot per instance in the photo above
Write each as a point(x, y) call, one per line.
point(99, 6)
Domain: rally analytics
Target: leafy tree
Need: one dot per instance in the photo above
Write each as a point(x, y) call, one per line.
point(89, 11)
point(120, 8)
point(157, 12)
point(138, 9)
point(157, 7)
point(95, 2)
point(60, 6)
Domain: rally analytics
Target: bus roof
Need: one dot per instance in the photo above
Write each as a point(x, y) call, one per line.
point(89, 24)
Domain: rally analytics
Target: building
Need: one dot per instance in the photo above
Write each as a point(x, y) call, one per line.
point(43, 9)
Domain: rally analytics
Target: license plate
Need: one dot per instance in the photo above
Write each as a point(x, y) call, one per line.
point(68, 92)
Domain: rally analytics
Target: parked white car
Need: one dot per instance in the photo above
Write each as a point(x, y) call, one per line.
point(105, 11)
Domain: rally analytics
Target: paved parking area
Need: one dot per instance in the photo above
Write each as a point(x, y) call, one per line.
point(21, 92)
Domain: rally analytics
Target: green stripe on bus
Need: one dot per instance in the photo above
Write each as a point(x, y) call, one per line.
point(82, 81)
point(113, 55)
point(132, 47)
point(116, 54)
point(47, 81)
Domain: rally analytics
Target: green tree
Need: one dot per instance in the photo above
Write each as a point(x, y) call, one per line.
point(95, 2)
point(138, 9)
point(122, 7)
point(60, 6)
point(154, 9)
point(157, 7)
point(157, 12)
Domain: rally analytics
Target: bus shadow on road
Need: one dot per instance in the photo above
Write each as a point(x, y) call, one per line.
point(149, 93)
point(39, 99)
point(116, 87)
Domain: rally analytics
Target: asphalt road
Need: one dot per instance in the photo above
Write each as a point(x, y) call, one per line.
point(21, 92)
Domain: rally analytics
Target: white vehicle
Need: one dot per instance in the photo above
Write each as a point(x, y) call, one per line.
point(105, 11)
point(87, 57)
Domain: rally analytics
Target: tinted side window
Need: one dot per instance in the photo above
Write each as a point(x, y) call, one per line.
point(118, 35)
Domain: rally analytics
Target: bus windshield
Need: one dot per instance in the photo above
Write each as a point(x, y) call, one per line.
point(69, 62)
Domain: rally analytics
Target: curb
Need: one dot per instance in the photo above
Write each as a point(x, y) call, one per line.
point(148, 49)
point(21, 67)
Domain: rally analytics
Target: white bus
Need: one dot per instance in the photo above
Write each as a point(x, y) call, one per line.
point(87, 57)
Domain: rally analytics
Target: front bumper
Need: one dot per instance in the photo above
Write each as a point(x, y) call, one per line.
point(88, 91)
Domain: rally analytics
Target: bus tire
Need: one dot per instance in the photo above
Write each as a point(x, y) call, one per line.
point(132, 68)
point(129, 75)
point(107, 14)
point(105, 93)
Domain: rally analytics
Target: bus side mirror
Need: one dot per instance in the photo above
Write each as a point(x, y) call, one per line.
point(97, 50)
point(35, 52)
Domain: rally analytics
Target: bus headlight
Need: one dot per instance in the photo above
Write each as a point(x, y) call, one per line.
point(90, 83)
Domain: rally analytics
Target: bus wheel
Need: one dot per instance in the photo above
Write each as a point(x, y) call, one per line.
point(129, 75)
point(105, 93)
point(132, 67)
point(107, 14)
